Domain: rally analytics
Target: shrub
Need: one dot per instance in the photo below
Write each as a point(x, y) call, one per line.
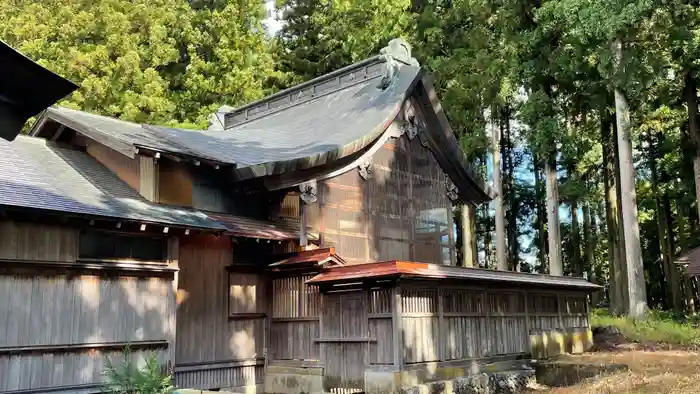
point(126, 378)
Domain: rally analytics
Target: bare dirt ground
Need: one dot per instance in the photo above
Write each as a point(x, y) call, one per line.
point(653, 368)
point(657, 372)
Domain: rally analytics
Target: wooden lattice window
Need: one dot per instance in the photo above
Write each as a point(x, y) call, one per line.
point(543, 304)
point(460, 301)
point(103, 245)
point(293, 298)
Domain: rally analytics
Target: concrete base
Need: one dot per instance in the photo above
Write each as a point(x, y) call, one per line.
point(293, 380)
point(551, 343)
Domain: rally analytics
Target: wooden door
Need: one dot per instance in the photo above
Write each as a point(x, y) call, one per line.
point(344, 341)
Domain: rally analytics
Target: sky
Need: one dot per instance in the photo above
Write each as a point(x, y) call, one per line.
point(272, 23)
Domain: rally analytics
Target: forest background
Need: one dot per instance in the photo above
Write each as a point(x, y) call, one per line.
point(582, 113)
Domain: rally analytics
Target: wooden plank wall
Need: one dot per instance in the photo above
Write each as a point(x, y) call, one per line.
point(295, 319)
point(446, 323)
point(220, 318)
point(128, 170)
point(401, 212)
point(58, 324)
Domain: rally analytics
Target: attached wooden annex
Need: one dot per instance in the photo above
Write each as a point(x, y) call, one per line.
point(304, 243)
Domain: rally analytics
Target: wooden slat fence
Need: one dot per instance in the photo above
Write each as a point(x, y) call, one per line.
point(295, 319)
point(451, 324)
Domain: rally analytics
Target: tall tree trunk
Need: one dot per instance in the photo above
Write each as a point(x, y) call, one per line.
point(469, 255)
point(636, 286)
point(691, 100)
point(660, 221)
point(501, 263)
point(611, 217)
point(577, 263)
point(487, 236)
point(512, 229)
point(577, 268)
point(674, 278)
point(555, 261)
point(620, 229)
point(541, 215)
point(589, 245)
point(688, 287)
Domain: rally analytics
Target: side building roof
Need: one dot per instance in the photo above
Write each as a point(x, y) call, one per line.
point(38, 174)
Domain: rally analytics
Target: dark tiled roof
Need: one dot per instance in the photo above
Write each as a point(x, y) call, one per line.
point(37, 174)
point(307, 134)
point(121, 135)
point(407, 269)
point(349, 119)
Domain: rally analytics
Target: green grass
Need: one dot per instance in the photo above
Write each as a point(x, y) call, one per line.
point(659, 326)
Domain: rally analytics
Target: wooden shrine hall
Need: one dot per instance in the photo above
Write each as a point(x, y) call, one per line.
point(304, 243)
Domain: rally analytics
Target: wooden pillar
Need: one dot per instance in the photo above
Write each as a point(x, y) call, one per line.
point(148, 178)
point(173, 254)
point(397, 327)
point(303, 226)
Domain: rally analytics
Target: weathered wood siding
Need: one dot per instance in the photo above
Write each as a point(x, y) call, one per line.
point(128, 170)
point(37, 242)
point(61, 318)
point(174, 184)
point(448, 323)
point(345, 340)
point(401, 212)
point(295, 320)
point(221, 318)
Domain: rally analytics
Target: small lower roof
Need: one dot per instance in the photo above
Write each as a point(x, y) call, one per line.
point(315, 257)
point(413, 270)
point(239, 226)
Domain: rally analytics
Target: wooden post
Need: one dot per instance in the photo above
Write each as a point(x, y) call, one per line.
point(173, 251)
point(148, 178)
point(442, 342)
point(527, 316)
point(303, 224)
point(397, 327)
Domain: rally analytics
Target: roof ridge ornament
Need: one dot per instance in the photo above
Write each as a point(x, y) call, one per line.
point(396, 52)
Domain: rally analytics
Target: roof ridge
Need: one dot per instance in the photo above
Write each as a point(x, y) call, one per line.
point(385, 64)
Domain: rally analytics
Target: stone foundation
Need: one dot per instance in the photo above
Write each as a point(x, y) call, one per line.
point(511, 382)
point(293, 380)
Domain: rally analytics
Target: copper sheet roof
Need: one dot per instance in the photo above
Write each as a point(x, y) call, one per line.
point(240, 226)
point(407, 269)
point(311, 257)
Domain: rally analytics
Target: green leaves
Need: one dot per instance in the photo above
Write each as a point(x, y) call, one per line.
point(151, 61)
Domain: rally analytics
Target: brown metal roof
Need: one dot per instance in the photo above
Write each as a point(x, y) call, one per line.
point(240, 226)
point(413, 270)
point(311, 257)
point(691, 261)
